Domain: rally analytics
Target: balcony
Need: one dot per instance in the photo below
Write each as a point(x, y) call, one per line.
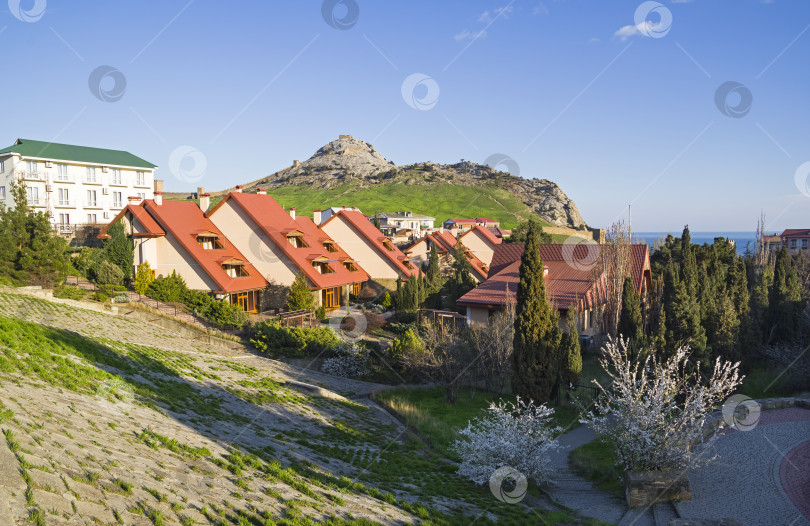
point(35, 201)
point(63, 229)
point(64, 178)
point(32, 176)
point(65, 203)
point(93, 204)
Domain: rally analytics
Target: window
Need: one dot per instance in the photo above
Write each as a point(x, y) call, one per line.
point(141, 196)
point(140, 179)
point(235, 270)
point(792, 243)
point(61, 172)
point(91, 175)
point(91, 198)
point(331, 298)
point(64, 219)
point(350, 266)
point(116, 176)
point(64, 197)
point(209, 242)
point(118, 201)
point(2, 165)
point(387, 244)
point(32, 195)
point(31, 166)
point(91, 218)
point(296, 239)
point(2, 192)
point(249, 301)
point(356, 289)
point(322, 267)
point(329, 245)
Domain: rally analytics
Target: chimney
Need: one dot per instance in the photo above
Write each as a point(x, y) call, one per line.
point(205, 201)
point(292, 212)
point(158, 186)
point(545, 271)
point(316, 216)
point(158, 197)
point(239, 189)
point(261, 191)
point(200, 191)
point(134, 200)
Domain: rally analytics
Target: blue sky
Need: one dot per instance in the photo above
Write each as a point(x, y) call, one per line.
point(573, 90)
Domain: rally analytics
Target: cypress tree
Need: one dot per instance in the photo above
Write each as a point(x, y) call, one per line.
point(572, 363)
point(434, 271)
point(462, 280)
point(630, 317)
point(537, 337)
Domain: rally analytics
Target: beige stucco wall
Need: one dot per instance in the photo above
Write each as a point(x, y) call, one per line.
point(171, 256)
point(477, 315)
point(360, 249)
point(254, 244)
point(479, 245)
point(419, 253)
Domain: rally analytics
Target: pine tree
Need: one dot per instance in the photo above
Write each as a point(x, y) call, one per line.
point(300, 295)
point(537, 337)
point(630, 324)
point(118, 249)
point(783, 298)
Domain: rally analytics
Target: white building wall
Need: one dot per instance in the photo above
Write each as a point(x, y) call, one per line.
point(63, 192)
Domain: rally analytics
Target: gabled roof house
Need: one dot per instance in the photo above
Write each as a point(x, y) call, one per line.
point(176, 236)
point(280, 245)
point(481, 242)
point(419, 253)
point(375, 252)
point(569, 279)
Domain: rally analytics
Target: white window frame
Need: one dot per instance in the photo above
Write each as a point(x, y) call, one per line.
point(32, 167)
point(32, 195)
point(92, 199)
point(116, 176)
point(63, 195)
point(2, 165)
point(90, 176)
point(62, 172)
point(92, 219)
point(118, 200)
point(2, 192)
point(140, 178)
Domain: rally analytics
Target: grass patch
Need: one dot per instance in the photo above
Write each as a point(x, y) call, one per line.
point(597, 461)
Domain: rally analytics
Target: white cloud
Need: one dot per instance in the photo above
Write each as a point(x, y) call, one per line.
point(626, 32)
point(502, 12)
point(540, 9)
point(467, 35)
point(484, 17)
point(593, 40)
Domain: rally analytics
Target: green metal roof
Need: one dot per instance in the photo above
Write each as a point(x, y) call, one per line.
point(81, 154)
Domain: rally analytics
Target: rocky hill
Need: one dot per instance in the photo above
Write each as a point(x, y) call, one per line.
point(353, 162)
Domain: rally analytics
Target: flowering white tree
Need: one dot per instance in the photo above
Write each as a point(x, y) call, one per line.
point(350, 360)
point(655, 410)
point(517, 435)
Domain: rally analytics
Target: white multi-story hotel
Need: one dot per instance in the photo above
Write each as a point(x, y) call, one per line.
point(77, 185)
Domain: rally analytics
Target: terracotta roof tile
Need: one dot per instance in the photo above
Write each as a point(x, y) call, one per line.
point(367, 229)
point(277, 224)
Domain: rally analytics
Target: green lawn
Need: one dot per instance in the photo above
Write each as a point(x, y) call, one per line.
point(597, 462)
point(436, 421)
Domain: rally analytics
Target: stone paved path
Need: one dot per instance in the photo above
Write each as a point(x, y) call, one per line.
point(746, 482)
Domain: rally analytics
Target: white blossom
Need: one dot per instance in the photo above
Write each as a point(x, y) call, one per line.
point(655, 410)
point(350, 360)
point(517, 435)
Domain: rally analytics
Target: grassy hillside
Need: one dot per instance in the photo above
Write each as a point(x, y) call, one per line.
point(114, 420)
point(440, 201)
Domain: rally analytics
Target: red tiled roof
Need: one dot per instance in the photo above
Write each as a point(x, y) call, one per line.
point(184, 220)
point(499, 232)
point(790, 232)
point(566, 282)
point(461, 220)
point(277, 223)
point(484, 232)
point(367, 229)
point(146, 221)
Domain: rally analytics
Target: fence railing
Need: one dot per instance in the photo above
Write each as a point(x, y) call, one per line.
point(584, 395)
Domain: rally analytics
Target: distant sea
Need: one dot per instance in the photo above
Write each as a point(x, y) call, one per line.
point(739, 238)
